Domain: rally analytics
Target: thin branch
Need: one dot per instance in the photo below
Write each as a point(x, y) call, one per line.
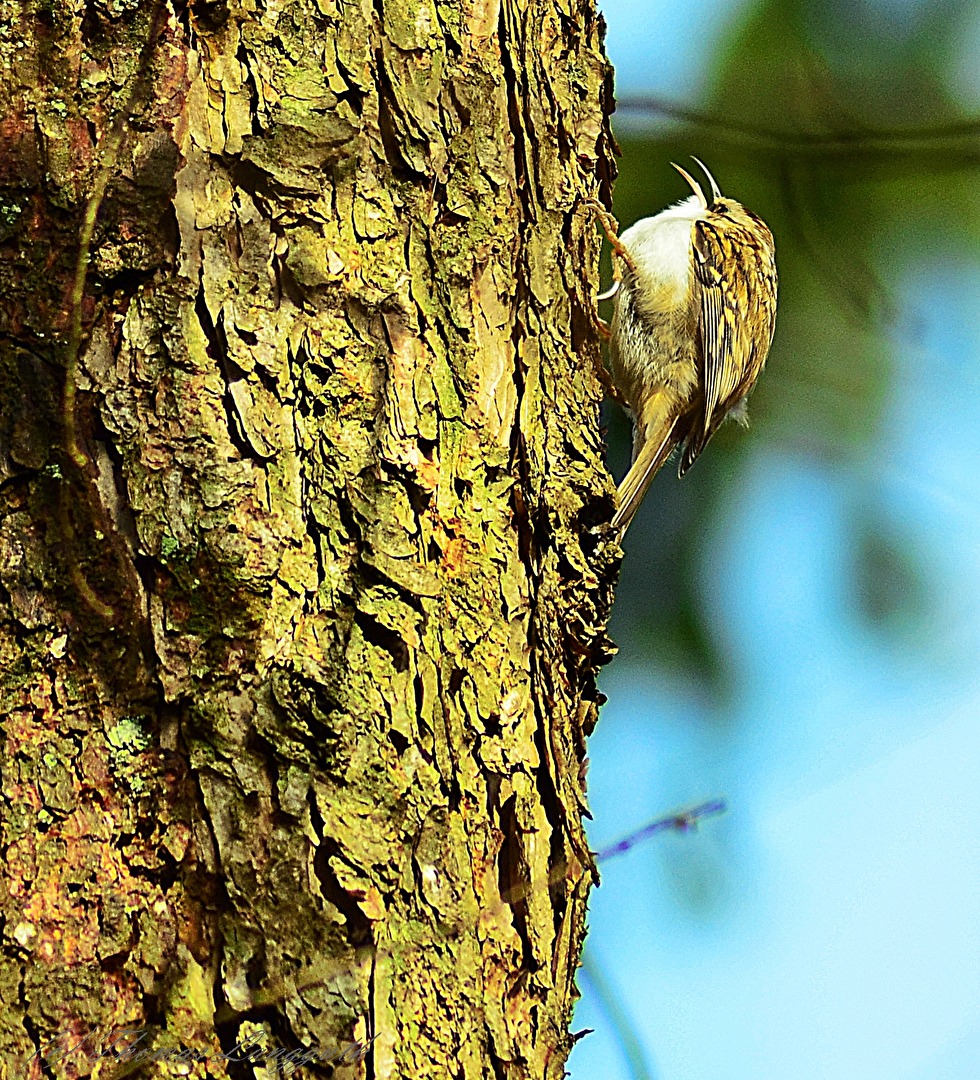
point(681, 821)
point(619, 1018)
point(108, 151)
point(108, 154)
point(807, 143)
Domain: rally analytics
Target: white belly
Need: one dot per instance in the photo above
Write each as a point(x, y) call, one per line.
point(661, 250)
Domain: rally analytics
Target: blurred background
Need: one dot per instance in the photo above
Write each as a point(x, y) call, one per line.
point(799, 619)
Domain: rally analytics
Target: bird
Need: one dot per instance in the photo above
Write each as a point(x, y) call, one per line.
point(694, 317)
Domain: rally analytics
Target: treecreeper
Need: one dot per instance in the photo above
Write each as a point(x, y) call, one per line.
point(695, 310)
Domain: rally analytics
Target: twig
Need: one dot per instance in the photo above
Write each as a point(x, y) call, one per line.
point(617, 1016)
point(682, 821)
point(807, 142)
point(108, 150)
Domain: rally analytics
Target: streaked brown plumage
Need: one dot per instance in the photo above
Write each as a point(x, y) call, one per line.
point(694, 319)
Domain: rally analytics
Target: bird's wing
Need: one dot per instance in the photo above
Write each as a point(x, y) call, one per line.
point(727, 265)
point(714, 265)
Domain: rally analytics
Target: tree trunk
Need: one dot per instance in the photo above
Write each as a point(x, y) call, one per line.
point(304, 567)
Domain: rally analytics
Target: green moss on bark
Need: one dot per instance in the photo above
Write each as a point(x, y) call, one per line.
point(344, 518)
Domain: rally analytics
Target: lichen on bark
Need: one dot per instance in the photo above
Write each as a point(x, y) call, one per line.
point(315, 765)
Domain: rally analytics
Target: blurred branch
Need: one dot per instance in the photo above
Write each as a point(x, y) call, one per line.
point(620, 1020)
point(811, 144)
point(681, 821)
point(861, 292)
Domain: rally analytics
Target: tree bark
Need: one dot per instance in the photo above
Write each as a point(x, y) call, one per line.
point(304, 571)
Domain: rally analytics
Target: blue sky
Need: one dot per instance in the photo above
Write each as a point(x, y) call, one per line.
point(839, 938)
point(827, 926)
point(665, 47)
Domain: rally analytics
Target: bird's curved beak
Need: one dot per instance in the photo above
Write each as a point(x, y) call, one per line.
point(695, 187)
point(715, 190)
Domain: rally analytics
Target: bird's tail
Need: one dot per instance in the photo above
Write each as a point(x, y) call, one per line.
point(656, 448)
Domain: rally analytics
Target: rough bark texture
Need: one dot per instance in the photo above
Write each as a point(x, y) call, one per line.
point(303, 576)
